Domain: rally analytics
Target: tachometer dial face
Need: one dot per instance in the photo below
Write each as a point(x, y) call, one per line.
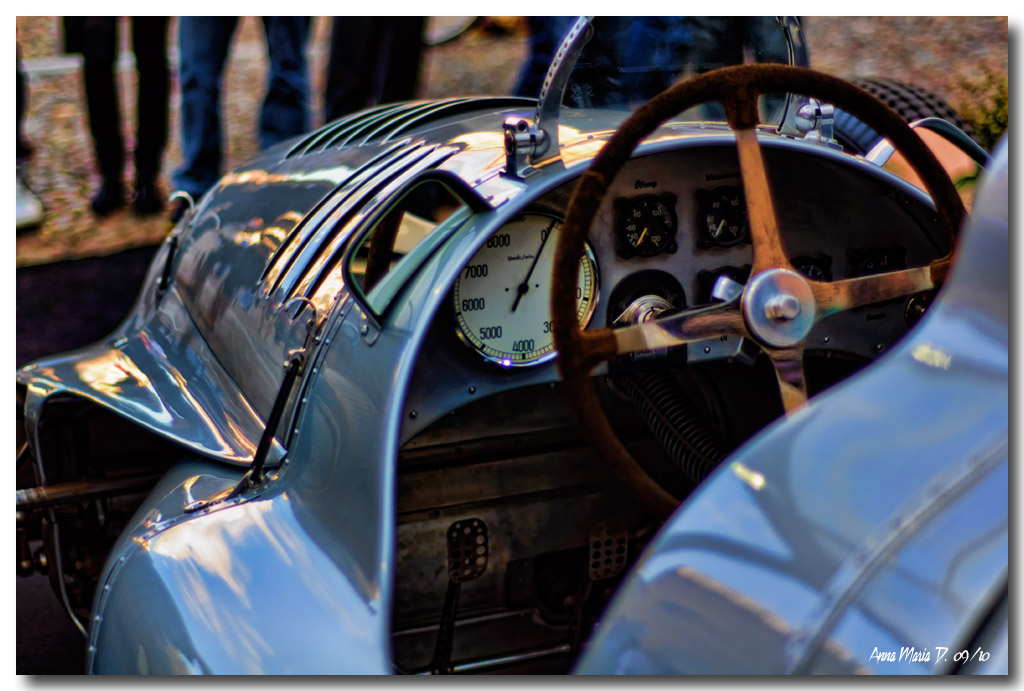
point(502, 297)
point(724, 217)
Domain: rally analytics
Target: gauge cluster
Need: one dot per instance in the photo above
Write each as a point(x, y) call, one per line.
point(681, 215)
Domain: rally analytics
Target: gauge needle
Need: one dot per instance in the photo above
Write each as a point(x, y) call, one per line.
point(525, 285)
point(641, 238)
point(718, 230)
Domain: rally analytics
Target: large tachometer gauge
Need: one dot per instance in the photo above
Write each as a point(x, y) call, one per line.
point(502, 298)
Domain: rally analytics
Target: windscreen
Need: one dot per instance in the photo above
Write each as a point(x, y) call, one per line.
point(631, 59)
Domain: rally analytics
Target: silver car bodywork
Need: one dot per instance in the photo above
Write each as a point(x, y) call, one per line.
point(800, 540)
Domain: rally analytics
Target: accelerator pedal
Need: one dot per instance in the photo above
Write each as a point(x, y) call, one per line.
point(607, 554)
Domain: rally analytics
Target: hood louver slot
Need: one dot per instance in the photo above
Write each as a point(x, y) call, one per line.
point(322, 139)
point(451, 108)
point(386, 123)
point(296, 240)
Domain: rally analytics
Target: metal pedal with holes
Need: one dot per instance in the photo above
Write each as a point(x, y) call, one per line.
point(467, 561)
point(607, 552)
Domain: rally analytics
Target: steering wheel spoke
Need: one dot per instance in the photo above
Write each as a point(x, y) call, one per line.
point(764, 225)
point(681, 328)
point(868, 290)
point(789, 371)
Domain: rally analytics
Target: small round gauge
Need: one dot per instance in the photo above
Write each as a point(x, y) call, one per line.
point(875, 261)
point(814, 269)
point(647, 226)
point(502, 297)
point(724, 217)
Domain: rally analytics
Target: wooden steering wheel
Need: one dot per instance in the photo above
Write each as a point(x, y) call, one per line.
point(778, 306)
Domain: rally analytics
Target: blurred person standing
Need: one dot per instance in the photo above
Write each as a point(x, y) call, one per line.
point(546, 34)
point(204, 43)
point(373, 60)
point(96, 39)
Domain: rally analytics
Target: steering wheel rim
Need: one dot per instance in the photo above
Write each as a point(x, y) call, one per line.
point(773, 286)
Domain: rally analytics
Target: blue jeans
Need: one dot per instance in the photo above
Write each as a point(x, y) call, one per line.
point(203, 44)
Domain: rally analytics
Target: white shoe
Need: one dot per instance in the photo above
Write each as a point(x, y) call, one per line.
point(30, 209)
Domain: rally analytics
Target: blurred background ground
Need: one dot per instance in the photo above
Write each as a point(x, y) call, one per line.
point(945, 54)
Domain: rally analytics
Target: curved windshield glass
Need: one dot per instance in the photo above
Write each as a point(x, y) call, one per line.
point(628, 60)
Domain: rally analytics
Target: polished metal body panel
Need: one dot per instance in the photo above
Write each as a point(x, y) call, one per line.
point(239, 590)
point(874, 520)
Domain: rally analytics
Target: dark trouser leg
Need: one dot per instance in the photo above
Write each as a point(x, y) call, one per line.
point(373, 60)
point(99, 48)
point(203, 44)
point(401, 66)
point(351, 67)
point(285, 111)
point(23, 150)
point(149, 42)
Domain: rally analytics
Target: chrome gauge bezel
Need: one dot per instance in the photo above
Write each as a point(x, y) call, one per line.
point(629, 208)
point(503, 361)
point(706, 199)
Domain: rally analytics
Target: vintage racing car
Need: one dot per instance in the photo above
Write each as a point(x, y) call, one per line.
point(550, 385)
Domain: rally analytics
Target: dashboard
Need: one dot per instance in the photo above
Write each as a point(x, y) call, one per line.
point(671, 224)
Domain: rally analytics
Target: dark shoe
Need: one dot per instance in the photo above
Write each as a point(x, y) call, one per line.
point(178, 208)
point(147, 201)
point(110, 198)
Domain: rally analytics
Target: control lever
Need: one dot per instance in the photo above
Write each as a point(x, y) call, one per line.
point(467, 561)
point(607, 554)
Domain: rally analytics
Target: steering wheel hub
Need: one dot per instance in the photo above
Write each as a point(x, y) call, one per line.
point(779, 307)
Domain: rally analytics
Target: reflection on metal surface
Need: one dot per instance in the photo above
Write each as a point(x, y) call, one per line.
point(580, 151)
point(210, 563)
point(254, 177)
point(932, 356)
point(752, 478)
point(744, 603)
point(107, 371)
point(480, 140)
point(141, 380)
point(886, 539)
